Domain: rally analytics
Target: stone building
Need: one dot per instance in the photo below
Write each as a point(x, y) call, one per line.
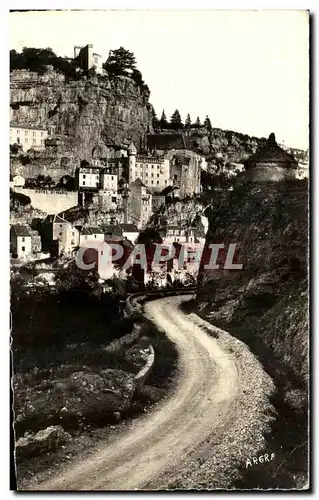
point(87, 58)
point(29, 137)
point(87, 178)
point(270, 163)
point(58, 236)
point(185, 164)
point(20, 242)
point(141, 204)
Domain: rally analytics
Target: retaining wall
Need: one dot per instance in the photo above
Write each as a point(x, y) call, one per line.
point(49, 201)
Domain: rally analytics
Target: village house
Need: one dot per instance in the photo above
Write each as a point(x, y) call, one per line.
point(28, 136)
point(140, 203)
point(18, 181)
point(154, 171)
point(87, 234)
point(87, 178)
point(58, 236)
point(20, 242)
point(176, 234)
point(129, 231)
point(270, 163)
point(113, 233)
point(166, 160)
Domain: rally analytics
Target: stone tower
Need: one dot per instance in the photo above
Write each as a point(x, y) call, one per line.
point(126, 196)
point(132, 151)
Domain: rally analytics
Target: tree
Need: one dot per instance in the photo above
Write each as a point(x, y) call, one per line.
point(207, 124)
point(155, 121)
point(137, 77)
point(176, 120)
point(77, 285)
point(15, 148)
point(120, 62)
point(163, 120)
point(67, 182)
point(198, 123)
point(37, 60)
point(188, 121)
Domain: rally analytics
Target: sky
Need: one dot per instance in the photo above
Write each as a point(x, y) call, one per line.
point(248, 70)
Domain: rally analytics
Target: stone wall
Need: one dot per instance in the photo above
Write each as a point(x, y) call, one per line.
point(51, 202)
point(270, 172)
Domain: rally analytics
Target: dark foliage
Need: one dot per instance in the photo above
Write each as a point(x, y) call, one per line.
point(37, 60)
point(176, 120)
point(121, 62)
point(18, 200)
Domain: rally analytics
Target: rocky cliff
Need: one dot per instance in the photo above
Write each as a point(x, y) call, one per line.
point(87, 114)
point(265, 303)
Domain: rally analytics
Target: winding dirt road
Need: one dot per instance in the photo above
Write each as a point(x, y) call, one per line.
point(159, 444)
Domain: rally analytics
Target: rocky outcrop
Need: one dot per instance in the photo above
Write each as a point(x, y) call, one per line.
point(266, 303)
point(87, 114)
point(84, 395)
point(43, 441)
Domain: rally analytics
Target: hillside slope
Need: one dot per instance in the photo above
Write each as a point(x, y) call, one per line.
point(266, 303)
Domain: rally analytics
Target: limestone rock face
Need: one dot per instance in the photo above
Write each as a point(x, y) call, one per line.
point(87, 114)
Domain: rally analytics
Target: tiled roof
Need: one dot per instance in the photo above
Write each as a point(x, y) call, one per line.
point(138, 182)
point(85, 230)
point(129, 228)
point(23, 126)
point(54, 218)
point(167, 141)
point(96, 230)
point(20, 230)
point(271, 152)
point(113, 230)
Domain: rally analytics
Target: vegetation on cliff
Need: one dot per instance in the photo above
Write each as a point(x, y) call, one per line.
point(266, 302)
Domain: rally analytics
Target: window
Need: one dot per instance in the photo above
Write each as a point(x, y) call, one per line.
point(60, 234)
point(97, 183)
point(18, 132)
point(95, 236)
point(112, 178)
point(84, 176)
point(152, 174)
point(23, 240)
point(23, 249)
point(101, 252)
point(41, 141)
point(83, 183)
point(152, 166)
point(60, 225)
point(34, 134)
point(26, 140)
point(157, 175)
point(152, 182)
point(41, 134)
point(157, 182)
point(25, 132)
point(34, 141)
